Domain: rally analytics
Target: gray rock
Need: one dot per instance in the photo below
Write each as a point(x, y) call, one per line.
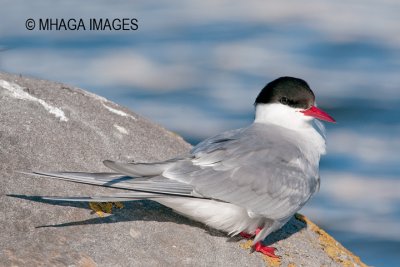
point(48, 126)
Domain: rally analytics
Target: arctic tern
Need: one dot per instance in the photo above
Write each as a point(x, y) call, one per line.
point(247, 181)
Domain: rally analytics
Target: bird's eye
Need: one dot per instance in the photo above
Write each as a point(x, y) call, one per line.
point(284, 100)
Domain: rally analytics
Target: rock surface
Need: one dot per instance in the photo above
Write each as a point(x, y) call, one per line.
point(48, 126)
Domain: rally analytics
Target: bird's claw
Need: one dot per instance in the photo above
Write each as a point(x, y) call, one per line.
point(268, 251)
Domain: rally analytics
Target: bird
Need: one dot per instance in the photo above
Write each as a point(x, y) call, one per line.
point(248, 181)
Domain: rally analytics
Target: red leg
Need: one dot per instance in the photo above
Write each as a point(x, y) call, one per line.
point(269, 251)
point(248, 236)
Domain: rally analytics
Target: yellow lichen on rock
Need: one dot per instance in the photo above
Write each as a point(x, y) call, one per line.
point(101, 208)
point(272, 262)
point(332, 248)
point(86, 261)
point(247, 244)
point(118, 205)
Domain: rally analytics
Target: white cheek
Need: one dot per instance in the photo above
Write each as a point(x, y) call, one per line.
point(282, 115)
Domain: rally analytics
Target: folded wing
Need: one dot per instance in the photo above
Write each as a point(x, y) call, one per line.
point(250, 167)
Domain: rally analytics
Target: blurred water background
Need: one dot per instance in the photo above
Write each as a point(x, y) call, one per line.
point(195, 67)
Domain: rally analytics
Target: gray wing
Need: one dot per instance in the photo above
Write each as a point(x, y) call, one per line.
point(251, 167)
point(143, 187)
point(260, 168)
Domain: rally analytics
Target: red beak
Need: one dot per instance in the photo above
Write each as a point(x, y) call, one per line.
point(318, 113)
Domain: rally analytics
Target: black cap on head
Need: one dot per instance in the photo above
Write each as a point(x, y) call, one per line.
point(289, 91)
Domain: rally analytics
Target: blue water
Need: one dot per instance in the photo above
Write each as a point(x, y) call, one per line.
point(196, 69)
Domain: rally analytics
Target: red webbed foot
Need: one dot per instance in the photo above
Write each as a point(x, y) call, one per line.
point(268, 251)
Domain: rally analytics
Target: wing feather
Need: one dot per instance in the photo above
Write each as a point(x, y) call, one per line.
point(157, 185)
point(260, 168)
point(108, 198)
